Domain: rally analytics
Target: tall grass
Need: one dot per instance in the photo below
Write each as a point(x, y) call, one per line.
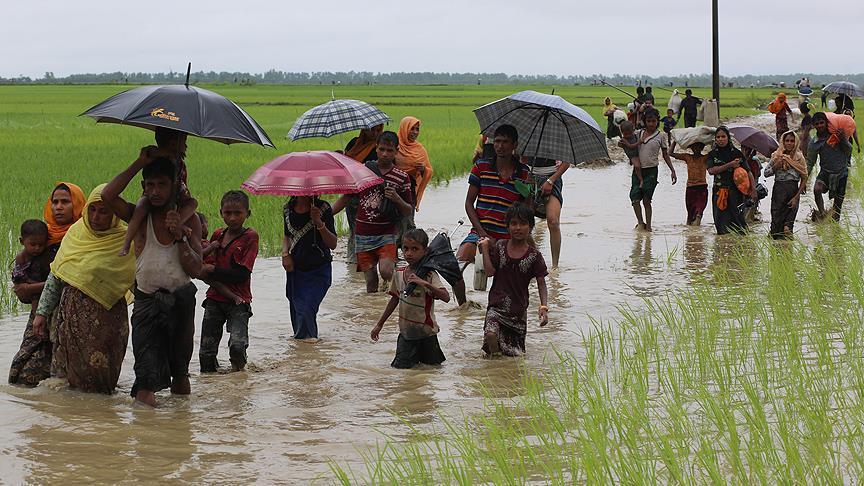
point(755, 374)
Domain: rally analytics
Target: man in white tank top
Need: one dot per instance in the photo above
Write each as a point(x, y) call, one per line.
point(163, 324)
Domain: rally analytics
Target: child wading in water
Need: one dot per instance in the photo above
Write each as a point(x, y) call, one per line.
point(696, 195)
point(512, 264)
point(418, 331)
point(173, 144)
point(228, 270)
point(32, 265)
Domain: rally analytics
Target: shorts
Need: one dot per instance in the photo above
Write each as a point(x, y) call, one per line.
point(836, 184)
point(367, 260)
point(410, 352)
point(557, 187)
point(646, 192)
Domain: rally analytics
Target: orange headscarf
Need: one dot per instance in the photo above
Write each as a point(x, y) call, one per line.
point(360, 150)
point(56, 231)
point(413, 153)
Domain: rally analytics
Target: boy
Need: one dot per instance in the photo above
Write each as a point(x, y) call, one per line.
point(173, 144)
point(651, 144)
point(696, 196)
point(32, 264)
point(669, 122)
point(418, 331)
point(228, 270)
point(512, 263)
point(378, 211)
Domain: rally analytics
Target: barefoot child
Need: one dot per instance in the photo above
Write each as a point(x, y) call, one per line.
point(696, 195)
point(418, 331)
point(512, 264)
point(652, 143)
point(229, 297)
point(32, 264)
point(173, 143)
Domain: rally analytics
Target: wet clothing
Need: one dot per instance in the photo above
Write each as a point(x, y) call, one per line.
point(726, 198)
point(649, 184)
point(832, 159)
point(690, 109)
point(411, 352)
point(163, 331)
point(158, 266)
point(417, 310)
point(495, 196)
point(696, 200)
point(696, 171)
point(307, 247)
point(305, 291)
point(233, 260)
point(374, 216)
point(631, 152)
point(835, 182)
point(32, 363)
point(235, 318)
point(507, 312)
point(782, 216)
point(542, 170)
point(91, 341)
point(651, 148)
point(367, 259)
point(31, 270)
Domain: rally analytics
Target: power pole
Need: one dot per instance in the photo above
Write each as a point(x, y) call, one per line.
point(715, 38)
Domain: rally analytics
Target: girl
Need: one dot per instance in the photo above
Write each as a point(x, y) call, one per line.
point(789, 169)
point(727, 198)
point(512, 263)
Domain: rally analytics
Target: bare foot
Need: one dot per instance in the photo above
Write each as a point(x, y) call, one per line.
point(181, 386)
point(146, 397)
point(647, 228)
point(698, 221)
point(123, 252)
point(491, 341)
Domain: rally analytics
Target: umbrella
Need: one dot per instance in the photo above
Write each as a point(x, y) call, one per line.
point(311, 174)
point(754, 138)
point(548, 126)
point(336, 116)
point(184, 108)
point(844, 87)
point(439, 257)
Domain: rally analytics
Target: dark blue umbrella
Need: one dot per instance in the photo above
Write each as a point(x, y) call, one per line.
point(184, 108)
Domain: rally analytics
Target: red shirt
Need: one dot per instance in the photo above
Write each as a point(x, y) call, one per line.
point(370, 220)
point(242, 251)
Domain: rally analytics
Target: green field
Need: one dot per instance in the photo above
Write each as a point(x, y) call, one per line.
point(44, 140)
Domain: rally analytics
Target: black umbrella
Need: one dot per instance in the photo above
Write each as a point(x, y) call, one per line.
point(184, 108)
point(439, 257)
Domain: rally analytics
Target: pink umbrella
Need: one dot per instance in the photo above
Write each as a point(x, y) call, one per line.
point(311, 174)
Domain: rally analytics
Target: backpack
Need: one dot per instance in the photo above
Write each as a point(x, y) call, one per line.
point(388, 208)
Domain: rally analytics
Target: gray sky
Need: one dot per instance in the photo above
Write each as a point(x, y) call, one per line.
point(529, 37)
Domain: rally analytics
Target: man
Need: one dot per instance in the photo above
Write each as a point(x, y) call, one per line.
point(834, 163)
point(689, 108)
point(492, 186)
point(168, 258)
point(362, 149)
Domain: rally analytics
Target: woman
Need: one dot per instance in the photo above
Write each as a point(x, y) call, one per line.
point(87, 287)
point(412, 158)
point(782, 113)
point(789, 168)
point(32, 363)
point(310, 235)
point(609, 108)
point(727, 199)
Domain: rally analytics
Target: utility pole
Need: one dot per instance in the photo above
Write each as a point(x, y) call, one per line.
point(716, 65)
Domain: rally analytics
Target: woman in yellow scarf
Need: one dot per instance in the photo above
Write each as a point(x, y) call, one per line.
point(412, 157)
point(608, 110)
point(87, 286)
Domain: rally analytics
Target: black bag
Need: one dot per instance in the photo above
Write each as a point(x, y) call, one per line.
point(388, 208)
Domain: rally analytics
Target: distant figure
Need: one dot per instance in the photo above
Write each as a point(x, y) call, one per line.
point(689, 108)
point(608, 110)
point(824, 99)
point(789, 169)
point(639, 106)
point(780, 108)
point(806, 126)
point(669, 122)
point(842, 103)
point(649, 94)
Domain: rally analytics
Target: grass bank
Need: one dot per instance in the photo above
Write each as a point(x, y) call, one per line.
point(755, 374)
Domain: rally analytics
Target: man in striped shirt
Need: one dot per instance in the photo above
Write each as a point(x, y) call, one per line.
point(491, 192)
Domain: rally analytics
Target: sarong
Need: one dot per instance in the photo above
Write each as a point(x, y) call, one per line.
point(782, 216)
point(305, 292)
point(695, 199)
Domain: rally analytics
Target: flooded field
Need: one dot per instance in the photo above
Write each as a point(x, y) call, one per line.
point(302, 404)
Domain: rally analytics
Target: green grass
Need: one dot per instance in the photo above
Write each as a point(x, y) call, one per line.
point(45, 141)
point(755, 374)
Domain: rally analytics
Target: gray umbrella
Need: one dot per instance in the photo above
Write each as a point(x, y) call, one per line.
point(184, 108)
point(335, 117)
point(549, 126)
point(844, 87)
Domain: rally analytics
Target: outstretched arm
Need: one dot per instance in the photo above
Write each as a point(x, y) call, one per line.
point(388, 311)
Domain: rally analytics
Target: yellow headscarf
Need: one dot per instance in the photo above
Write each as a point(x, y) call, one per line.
point(88, 261)
point(608, 105)
point(410, 154)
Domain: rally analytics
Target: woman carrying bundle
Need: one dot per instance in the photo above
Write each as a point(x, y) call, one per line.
point(732, 184)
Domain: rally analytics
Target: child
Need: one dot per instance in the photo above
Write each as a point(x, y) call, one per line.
point(32, 265)
point(229, 297)
point(652, 143)
point(418, 331)
point(173, 143)
point(669, 122)
point(512, 264)
point(696, 195)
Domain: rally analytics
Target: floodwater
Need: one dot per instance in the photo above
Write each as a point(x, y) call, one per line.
point(303, 404)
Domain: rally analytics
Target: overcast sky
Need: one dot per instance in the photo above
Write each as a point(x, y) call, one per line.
point(526, 37)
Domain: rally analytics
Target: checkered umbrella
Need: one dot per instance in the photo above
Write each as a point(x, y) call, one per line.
point(337, 116)
point(844, 87)
point(549, 126)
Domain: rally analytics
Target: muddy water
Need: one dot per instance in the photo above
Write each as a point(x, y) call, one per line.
point(302, 404)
